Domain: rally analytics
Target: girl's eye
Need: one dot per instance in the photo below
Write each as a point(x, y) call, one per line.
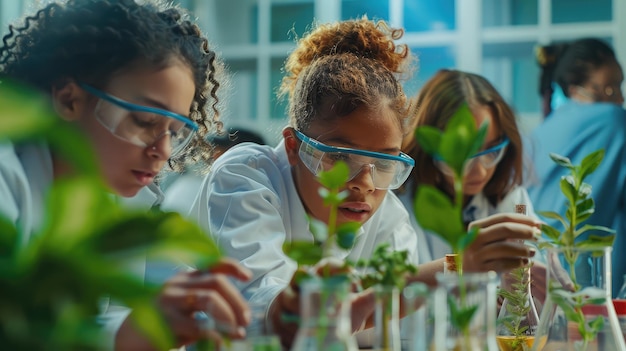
point(145, 120)
point(338, 156)
point(385, 165)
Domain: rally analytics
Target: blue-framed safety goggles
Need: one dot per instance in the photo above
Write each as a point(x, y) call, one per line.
point(141, 125)
point(488, 158)
point(387, 171)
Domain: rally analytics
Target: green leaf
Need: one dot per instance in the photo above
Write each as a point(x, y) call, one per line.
point(458, 139)
point(429, 139)
point(336, 177)
point(597, 241)
point(568, 188)
point(346, 234)
point(10, 239)
point(550, 232)
point(461, 317)
point(25, 112)
point(435, 212)
point(146, 317)
point(584, 209)
point(590, 163)
point(318, 229)
point(303, 252)
point(562, 161)
point(466, 240)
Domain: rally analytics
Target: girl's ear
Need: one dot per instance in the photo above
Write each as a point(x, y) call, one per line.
point(291, 145)
point(69, 100)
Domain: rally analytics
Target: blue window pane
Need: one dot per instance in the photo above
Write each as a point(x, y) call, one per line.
point(242, 104)
point(513, 71)
point(510, 12)
point(288, 17)
point(374, 9)
point(428, 15)
point(236, 23)
point(430, 60)
point(278, 105)
point(567, 11)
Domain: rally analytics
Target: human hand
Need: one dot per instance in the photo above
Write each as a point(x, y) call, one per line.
point(284, 312)
point(185, 294)
point(499, 245)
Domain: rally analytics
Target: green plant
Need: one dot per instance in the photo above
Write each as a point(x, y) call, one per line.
point(576, 234)
point(387, 269)
point(518, 307)
point(326, 235)
point(434, 209)
point(51, 287)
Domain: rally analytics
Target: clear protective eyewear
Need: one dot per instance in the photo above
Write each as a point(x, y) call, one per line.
point(387, 171)
point(488, 158)
point(141, 125)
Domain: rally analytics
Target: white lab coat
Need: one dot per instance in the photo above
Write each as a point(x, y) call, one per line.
point(250, 205)
point(432, 247)
point(26, 175)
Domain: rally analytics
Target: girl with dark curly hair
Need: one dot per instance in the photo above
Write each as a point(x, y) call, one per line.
point(140, 81)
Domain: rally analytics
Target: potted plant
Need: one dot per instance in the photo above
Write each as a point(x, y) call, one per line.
point(51, 287)
point(578, 313)
point(457, 325)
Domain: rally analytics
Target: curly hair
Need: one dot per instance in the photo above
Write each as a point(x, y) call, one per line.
point(338, 67)
point(437, 101)
point(90, 40)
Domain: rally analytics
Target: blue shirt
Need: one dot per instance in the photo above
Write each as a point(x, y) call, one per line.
point(575, 130)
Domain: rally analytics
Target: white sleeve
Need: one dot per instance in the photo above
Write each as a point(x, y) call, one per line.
point(241, 209)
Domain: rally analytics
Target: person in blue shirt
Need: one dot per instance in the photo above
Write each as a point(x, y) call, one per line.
point(591, 118)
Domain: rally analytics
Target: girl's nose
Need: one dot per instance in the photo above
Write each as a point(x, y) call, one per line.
point(161, 148)
point(364, 180)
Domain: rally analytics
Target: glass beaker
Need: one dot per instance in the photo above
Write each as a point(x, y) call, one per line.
point(518, 318)
point(578, 314)
point(325, 316)
point(465, 312)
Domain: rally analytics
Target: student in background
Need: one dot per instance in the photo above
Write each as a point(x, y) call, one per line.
point(345, 102)
point(591, 118)
point(138, 80)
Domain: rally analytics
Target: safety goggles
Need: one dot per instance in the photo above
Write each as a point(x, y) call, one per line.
point(488, 158)
point(141, 125)
point(387, 171)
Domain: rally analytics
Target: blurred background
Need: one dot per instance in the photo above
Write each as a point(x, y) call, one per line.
point(495, 38)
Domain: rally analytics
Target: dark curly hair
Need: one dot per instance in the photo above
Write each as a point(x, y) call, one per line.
point(338, 67)
point(90, 40)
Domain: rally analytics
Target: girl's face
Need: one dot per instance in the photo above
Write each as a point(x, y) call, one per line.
point(477, 175)
point(363, 129)
point(126, 166)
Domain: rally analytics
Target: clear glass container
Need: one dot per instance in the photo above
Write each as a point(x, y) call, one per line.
point(325, 316)
point(518, 318)
point(417, 328)
point(387, 318)
point(578, 314)
point(465, 312)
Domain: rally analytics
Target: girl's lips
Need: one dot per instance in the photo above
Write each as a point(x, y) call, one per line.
point(355, 211)
point(144, 178)
point(354, 216)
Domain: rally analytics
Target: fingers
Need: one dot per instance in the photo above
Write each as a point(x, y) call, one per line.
point(499, 256)
point(231, 268)
point(216, 285)
point(505, 218)
point(283, 313)
point(506, 231)
point(363, 305)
